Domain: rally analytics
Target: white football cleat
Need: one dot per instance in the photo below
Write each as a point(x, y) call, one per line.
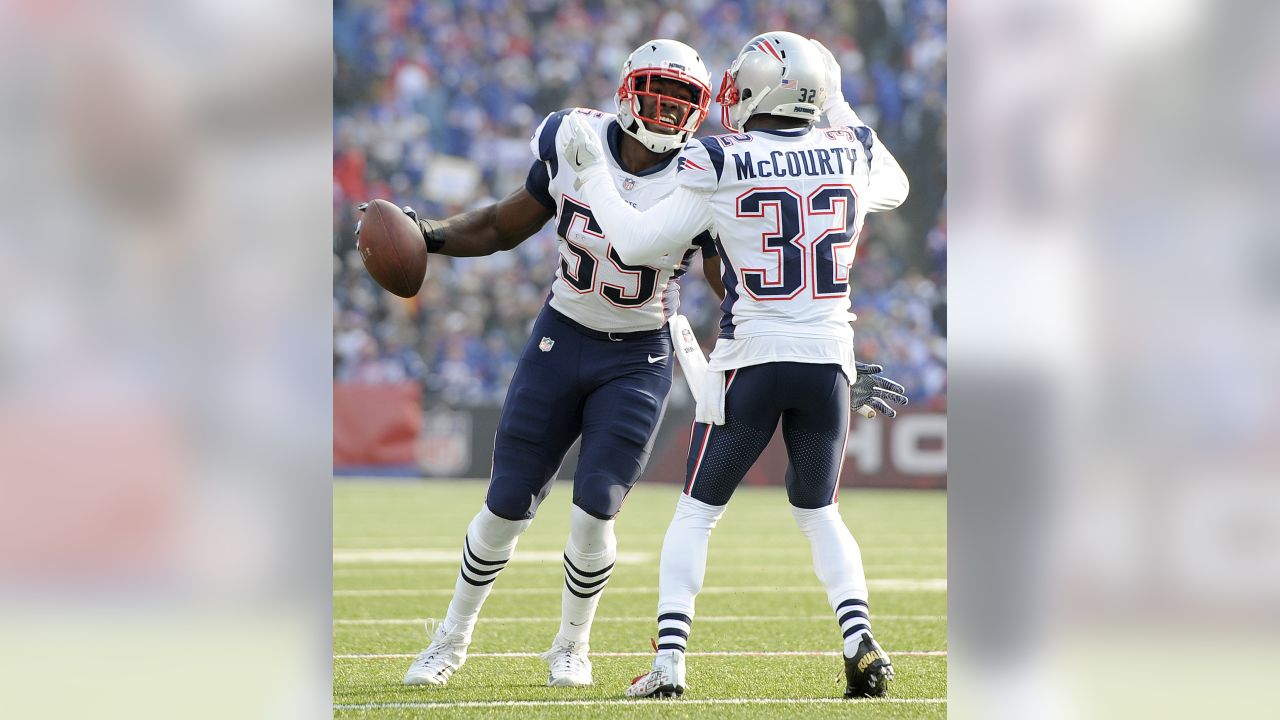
point(665, 680)
point(436, 664)
point(569, 665)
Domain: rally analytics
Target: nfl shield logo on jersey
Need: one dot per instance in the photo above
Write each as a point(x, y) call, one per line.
point(628, 184)
point(546, 344)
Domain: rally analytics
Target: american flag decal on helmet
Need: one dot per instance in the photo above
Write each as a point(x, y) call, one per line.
point(764, 46)
point(685, 163)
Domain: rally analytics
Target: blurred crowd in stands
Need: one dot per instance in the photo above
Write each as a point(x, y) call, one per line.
point(434, 103)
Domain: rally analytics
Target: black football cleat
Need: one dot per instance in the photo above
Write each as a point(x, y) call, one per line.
point(869, 671)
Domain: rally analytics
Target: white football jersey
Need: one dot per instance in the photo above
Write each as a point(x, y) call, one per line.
point(786, 207)
point(593, 286)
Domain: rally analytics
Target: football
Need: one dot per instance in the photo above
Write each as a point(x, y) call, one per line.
point(392, 249)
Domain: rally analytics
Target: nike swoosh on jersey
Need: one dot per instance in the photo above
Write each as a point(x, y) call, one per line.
point(653, 359)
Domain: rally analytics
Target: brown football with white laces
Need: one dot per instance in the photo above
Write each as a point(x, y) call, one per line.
point(392, 248)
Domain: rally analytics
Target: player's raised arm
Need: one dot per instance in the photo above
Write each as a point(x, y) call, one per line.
point(888, 183)
point(640, 238)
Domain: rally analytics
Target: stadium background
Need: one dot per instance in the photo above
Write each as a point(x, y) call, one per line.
point(434, 103)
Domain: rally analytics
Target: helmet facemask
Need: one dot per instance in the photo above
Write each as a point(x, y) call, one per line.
point(735, 109)
point(683, 117)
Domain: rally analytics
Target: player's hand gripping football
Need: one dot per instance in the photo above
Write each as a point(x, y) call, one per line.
point(834, 94)
point(581, 147)
point(875, 391)
point(413, 215)
point(427, 227)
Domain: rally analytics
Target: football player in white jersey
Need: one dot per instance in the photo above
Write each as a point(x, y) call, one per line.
point(784, 201)
point(598, 363)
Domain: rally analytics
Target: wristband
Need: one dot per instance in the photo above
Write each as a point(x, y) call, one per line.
point(432, 235)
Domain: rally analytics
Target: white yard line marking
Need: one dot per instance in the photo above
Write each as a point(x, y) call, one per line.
point(773, 552)
point(454, 556)
point(638, 618)
point(903, 584)
point(425, 569)
point(637, 703)
point(709, 653)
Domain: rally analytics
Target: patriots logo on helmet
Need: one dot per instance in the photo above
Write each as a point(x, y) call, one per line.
point(763, 45)
point(685, 163)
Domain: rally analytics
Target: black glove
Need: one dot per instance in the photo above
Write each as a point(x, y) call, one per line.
point(430, 236)
point(875, 391)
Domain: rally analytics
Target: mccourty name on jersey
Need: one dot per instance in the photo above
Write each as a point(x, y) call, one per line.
point(795, 163)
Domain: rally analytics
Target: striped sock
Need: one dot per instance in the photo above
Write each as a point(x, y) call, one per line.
point(476, 571)
point(489, 544)
point(589, 557)
point(580, 598)
point(673, 631)
point(854, 617)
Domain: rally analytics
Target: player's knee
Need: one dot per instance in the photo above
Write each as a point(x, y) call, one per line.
point(513, 501)
point(816, 498)
point(601, 497)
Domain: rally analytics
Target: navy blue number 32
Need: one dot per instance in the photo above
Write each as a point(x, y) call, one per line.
point(793, 266)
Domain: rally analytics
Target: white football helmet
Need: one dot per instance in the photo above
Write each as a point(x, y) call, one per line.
point(663, 59)
point(776, 73)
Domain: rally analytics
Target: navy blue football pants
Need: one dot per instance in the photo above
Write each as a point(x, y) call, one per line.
point(811, 401)
point(575, 381)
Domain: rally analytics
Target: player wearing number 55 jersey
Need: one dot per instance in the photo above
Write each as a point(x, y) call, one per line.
point(597, 364)
point(784, 201)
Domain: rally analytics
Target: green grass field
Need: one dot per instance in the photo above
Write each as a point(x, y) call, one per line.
point(397, 548)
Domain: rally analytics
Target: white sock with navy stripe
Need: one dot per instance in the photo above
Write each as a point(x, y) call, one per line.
point(489, 544)
point(683, 568)
point(673, 631)
point(838, 563)
point(589, 556)
point(854, 617)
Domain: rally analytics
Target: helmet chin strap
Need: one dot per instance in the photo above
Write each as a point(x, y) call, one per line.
point(754, 102)
point(638, 131)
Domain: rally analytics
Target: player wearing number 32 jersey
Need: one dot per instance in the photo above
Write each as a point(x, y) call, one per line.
point(784, 201)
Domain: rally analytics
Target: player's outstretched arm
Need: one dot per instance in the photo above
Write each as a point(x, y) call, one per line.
point(483, 231)
point(640, 238)
point(486, 230)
